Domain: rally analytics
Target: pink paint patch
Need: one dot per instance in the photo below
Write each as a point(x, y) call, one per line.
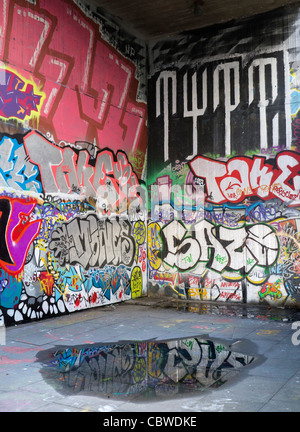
point(17, 350)
point(7, 360)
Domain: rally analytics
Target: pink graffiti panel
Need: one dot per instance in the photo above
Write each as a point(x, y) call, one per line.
point(89, 88)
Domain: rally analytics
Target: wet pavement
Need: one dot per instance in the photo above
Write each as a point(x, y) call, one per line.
point(154, 356)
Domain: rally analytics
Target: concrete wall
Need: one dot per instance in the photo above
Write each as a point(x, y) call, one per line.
point(72, 159)
point(223, 155)
point(224, 162)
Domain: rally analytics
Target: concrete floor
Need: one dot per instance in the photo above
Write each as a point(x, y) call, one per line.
point(271, 383)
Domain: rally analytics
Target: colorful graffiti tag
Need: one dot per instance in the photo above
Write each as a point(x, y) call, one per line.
point(18, 99)
point(72, 156)
point(79, 93)
point(63, 254)
point(220, 219)
point(241, 177)
point(223, 169)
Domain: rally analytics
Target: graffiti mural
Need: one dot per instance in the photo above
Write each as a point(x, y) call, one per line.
point(72, 158)
point(89, 94)
point(209, 97)
point(17, 232)
point(91, 242)
point(225, 250)
point(86, 219)
point(18, 99)
point(63, 250)
point(223, 163)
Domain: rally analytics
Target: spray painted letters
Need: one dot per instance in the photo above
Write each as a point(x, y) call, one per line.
point(63, 171)
point(197, 95)
point(17, 98)
point(242, 176)
point(93, 242)
point(90, 93)
point(221, 248)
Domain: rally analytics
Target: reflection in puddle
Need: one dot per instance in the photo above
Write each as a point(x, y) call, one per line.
point(145, 368)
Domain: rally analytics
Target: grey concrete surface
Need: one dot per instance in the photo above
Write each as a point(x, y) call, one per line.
point(270, 384)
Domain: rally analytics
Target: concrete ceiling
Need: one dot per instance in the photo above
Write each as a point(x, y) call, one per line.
point(152, 19)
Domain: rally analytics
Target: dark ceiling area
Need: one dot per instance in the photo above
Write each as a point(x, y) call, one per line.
point(153, 19)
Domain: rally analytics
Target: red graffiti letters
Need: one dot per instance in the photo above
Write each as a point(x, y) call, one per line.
point(243, 176)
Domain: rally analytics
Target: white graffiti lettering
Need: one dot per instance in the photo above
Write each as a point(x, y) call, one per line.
point(221, 248)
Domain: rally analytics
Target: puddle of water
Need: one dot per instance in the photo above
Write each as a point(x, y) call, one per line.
point(260, 312)
point(141, 369)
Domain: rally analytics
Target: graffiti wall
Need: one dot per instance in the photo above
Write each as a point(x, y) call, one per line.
point(224, 187)
point(218, 218)
point(72, 156)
